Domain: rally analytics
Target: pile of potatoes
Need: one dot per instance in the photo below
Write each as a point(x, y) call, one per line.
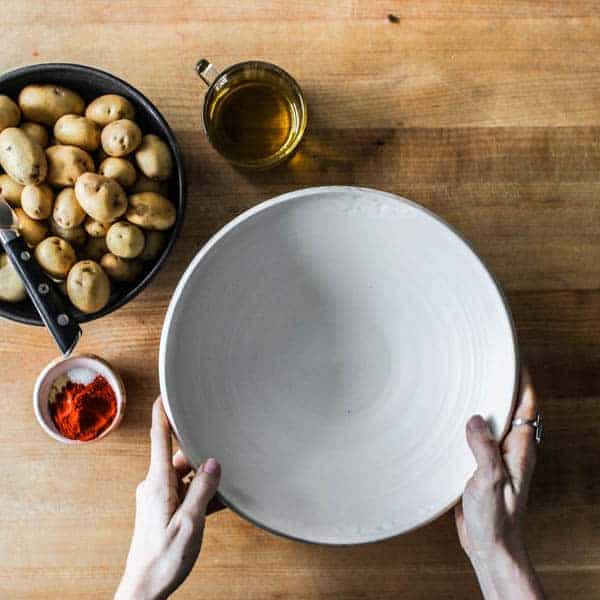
point(88, 187)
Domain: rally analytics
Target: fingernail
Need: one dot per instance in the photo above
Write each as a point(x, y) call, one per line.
point(211, 466)
point(477, 423)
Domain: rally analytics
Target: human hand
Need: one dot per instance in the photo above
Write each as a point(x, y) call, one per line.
point(490, 516)
point(169, 518)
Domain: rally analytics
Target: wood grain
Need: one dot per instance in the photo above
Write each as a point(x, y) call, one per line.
point(485, 112)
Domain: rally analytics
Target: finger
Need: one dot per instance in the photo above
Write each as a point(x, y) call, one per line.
point(202, 489)
point(459, 520)
point(519, 446)
point(527, 401)
point(483, 444)
point(459, 514)
point(181, 464)
point(161, 445)
point(215, 504)
point(183, 468)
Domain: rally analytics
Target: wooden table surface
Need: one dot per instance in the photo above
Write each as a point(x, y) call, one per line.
point(486, 113)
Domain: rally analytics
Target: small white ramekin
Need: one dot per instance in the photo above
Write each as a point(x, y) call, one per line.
point(57, 368)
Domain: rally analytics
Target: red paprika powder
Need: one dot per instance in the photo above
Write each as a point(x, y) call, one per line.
point(83, 412)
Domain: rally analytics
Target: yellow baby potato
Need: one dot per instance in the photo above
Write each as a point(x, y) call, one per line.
point(22, 158)
point(125, 240)
point(10, 190)
point(56, 256)
point(32, 231)
point(150, 211)
point(37, 201)
point(88, 286)
point(11, 286)
point(155, 241)
point(95, 248)
point(101, 198)
point(118, 168)
point(38, 133)
point(94, 228)
point(76, 130)
point(121, 137)
point(109, 108)
point(10, 114)
point(46, 103)
point(76, 236)
point(67, 211)
point(66, 164)
point(120, 269)
point(154, 158)
point(144, 184)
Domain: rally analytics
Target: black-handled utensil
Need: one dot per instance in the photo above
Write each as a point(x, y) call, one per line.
point(49, 303)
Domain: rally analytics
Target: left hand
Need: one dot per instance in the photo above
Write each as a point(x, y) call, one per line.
point(169, 519)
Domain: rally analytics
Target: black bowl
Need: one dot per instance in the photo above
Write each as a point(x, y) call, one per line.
point(90, 83)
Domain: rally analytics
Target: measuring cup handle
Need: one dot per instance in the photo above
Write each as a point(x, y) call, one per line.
point(207, 71)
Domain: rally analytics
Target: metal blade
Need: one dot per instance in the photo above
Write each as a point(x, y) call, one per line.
point(8, 222)
point(8, 219)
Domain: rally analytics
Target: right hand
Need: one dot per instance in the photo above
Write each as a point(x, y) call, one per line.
point(490, 516)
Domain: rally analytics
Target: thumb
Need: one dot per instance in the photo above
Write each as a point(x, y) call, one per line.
point(202, 489)
point(485, 448)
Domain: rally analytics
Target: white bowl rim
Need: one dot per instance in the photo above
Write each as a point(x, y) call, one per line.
point(289, 197)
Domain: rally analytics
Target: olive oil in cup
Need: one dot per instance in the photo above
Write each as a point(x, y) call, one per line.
point(254, 113)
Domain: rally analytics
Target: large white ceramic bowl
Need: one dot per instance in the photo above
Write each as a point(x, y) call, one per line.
point(328, 347)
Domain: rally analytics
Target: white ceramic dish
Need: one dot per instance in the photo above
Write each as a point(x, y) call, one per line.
point(328, 347)
point(59, 367)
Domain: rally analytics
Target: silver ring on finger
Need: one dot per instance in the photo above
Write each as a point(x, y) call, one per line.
point(537, 424)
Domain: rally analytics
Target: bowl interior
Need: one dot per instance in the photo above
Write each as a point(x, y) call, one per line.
point(328, 347)
point(91, 83)
point(62, 366)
